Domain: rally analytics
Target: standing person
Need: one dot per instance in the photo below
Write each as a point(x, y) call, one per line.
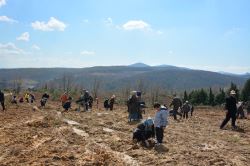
point(26, 97)
point(90, 102)
point(176, 105)
point(2, 100)
point(231, 110)
point(44, 99)
point(133, 107)
point(83, 101)
point(240, 111)
point(161, 121)
point(64, 98)
point(32, 98)
point(192, 109)
point(106, 104)
point(86, 100)
point(248, 106)
point(111, 103)
point(185, 109)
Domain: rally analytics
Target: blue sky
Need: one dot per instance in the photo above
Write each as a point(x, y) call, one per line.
point(200, 34)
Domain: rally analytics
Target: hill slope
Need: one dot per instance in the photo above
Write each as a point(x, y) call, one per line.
point(116, 77)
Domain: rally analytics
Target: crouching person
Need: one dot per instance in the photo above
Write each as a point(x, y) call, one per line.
point(144, 132)
point(160, 121)
point(67, 104)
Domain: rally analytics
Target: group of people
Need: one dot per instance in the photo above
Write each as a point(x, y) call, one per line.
point(28, 97)
point(109, 103)
point(152, 128)
point(181, 109)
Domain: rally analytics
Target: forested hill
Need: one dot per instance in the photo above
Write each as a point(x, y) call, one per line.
point(117, 77)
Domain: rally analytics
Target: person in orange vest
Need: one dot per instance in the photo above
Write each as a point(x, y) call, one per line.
point(64, 98)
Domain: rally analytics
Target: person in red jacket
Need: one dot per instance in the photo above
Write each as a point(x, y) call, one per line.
point(64, 98)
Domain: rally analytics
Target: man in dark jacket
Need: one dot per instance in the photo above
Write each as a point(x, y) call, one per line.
point(44, 99)
point(106, 104)
point(133, 107)
point(231, 110)
point(2, 99)
point(144, 131)
point(186, 109)
point(176, 105)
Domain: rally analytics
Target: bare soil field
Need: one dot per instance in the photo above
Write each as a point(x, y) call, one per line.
point(52, 137)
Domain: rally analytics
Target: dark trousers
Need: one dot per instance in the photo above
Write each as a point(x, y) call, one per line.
point(2, 103)
point(192, 113)
point(229, 115)
point(159, 134)
point(111, 106)
point(175, 113)
point(185, 115)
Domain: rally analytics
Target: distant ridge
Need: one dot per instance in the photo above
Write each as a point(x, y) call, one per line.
point(118, 77)
point(139, 65)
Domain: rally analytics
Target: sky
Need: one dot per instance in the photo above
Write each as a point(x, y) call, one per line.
point(209, 35)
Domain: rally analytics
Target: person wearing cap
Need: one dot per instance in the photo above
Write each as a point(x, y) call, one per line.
point(144, 131)
point(2, 100)
point(185, 109)
point(160, 121)
point(231, 110)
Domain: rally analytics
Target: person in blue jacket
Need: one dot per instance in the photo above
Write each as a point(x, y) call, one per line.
point(160, 121)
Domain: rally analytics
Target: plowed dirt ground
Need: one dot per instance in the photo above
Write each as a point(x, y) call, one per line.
point(52, 137)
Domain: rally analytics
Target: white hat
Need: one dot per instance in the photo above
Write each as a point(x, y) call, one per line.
point(232, 92)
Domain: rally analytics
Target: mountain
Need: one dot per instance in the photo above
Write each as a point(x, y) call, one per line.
point(118, 77)
point(139, 65)
point(246, 75)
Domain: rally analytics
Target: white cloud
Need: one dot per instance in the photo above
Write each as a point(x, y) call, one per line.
point(24, 37)
point(2, 2)
point(10, 49)
point(7, 19)
point(136, 24)
point(85, 52)
point(35, 47)
point(52, 25)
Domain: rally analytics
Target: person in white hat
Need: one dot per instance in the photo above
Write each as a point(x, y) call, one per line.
point(231, 110)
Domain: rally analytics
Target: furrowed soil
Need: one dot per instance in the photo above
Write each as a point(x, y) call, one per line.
point(51, 137)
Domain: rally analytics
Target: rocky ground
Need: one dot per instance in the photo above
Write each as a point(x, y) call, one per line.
point(52, 137)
